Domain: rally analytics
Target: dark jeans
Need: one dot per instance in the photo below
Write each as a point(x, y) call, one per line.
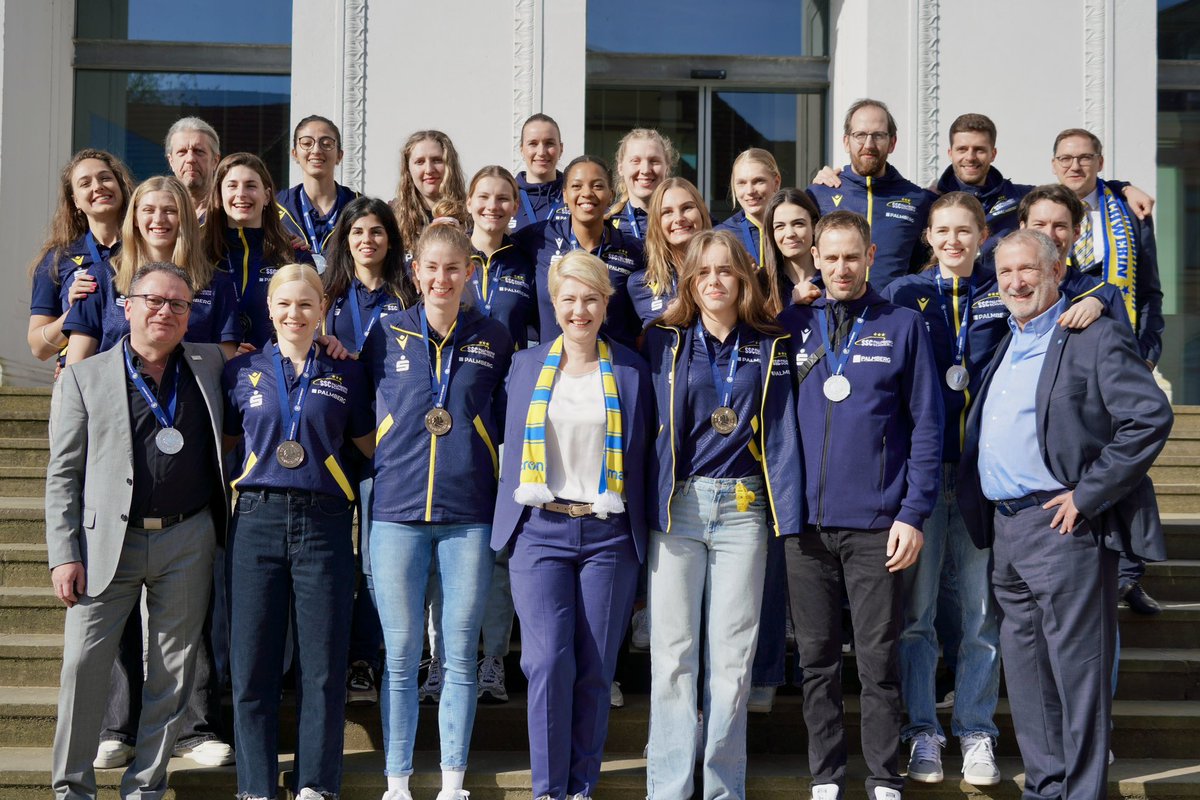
point(770, 655)
point(202, 719)
point(366, 634)
point(290, 551)
point(817, 566)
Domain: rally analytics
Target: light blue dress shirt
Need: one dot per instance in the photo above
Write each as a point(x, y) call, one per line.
point(1010, 461)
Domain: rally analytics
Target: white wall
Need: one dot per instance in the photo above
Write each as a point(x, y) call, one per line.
point(35, 141)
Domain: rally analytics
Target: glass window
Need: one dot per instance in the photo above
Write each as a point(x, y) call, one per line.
point(129, 113)
point(675, 113)
point(708, 27)
point(224, 21)
point(1179, 29)
point(1177, 233)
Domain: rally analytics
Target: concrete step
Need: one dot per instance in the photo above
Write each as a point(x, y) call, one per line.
point(1182, 444)
point(1177, 579)
point(24, 452)
point(1178, 498)
point(25, 775)
point(22, 481)
point(31, 659)
point(1178, 626)
point(30, 610)
point(24, 399)
point(1144, 728)
point(23, 520)
point(1176, 469)
point(24, 565)
point(1183, 535)
point(24, 424)
point(1187, 420)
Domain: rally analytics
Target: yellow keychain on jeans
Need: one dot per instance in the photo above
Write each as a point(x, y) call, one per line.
point(744, 496)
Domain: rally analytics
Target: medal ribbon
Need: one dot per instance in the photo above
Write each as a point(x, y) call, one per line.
point(439, 388)
point(960, 344)
point(290, 412)
point(165, 416)
point(631, 214)
point(361, 332)
point(724, 389)
point(485, 283)
point(838, 363)
point(527, 206)
point(599, 250)
point(755, 251)
point(93, 250)
point(306, 211)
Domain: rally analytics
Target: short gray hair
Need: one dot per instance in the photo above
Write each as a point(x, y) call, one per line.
point(1045, 249)
point(146, 270)
point(192, 124)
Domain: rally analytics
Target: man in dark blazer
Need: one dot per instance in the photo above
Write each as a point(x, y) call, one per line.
point(1053, 478)
point(134, 499)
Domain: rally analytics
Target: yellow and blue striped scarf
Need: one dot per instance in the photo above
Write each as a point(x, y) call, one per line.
point(532, 490)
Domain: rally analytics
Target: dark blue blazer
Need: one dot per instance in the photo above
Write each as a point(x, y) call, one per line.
point(778, 438)
point(1102, 420)
point(637, 412)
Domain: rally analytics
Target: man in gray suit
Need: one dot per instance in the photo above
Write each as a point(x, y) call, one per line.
point(134, 499)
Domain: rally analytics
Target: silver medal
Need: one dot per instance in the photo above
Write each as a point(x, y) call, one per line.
point(957, 377)
point(169, 440)
point(290, 454)
point(319, 262)
point(837, 388)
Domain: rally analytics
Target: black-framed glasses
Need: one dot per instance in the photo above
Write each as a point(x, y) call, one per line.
point(326, 143)
point(155, 302)
point(1084, 159)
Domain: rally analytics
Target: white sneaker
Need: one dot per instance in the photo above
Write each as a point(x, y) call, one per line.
point(924, 761)
point(884, 793)
point(490, 680)
point(580, 796)
point(762, 699)
point(453, 794)
point(112, 754)
point(616, 699)
point(640, 638)
point(311, 794)
point(979, 761)
point(825, 791)
point(431, 689)
point(212, 753)
point(396, 794)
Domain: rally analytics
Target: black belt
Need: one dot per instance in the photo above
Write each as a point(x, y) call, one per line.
point(158, 523)
point(1010, 507)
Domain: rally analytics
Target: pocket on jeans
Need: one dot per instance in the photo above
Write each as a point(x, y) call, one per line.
point(331, 506)
point(248, 503)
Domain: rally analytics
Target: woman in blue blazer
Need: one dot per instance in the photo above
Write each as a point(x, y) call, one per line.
point(571, 511)
point(728, 478)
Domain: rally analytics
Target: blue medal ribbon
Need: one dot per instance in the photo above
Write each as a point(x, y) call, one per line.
point(306, 211)
point(748, 238)
point(165, 416)
point(439, 385)
point(837, 362)
point(631, 214)
point(361, 332)
point(485, 285)
point(960, 345)
point(599, 250)
point(527, 207)
point(93, 249)
point(290, 412)
point(724, 388)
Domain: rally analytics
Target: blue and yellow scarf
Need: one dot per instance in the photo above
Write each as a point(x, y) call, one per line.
point(532, 490)
point(1120, 257)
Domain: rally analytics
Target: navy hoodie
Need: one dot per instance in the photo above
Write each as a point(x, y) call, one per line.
point(999, 197)
point(545, 200)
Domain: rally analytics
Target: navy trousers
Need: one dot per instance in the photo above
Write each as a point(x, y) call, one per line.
point(573, 582)
point(1057, 596)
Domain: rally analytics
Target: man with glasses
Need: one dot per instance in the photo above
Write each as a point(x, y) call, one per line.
point(895, 208)
point(134, 500)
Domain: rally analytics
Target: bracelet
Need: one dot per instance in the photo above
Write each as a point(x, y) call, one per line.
point(47, 341)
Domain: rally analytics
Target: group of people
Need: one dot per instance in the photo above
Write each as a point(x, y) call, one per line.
point(568, 393)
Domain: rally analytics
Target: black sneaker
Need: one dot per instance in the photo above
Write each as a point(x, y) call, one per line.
point(360, 685)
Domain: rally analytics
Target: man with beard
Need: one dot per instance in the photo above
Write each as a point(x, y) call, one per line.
point(894, 207)
point(193, 151)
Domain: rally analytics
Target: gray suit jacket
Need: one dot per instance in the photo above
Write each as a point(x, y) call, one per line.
point(89, 482)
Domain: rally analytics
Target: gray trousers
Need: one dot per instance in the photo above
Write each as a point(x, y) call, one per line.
point(1057, 596)
point(175, 566)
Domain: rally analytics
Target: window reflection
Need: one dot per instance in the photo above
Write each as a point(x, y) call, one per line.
point(221, 21)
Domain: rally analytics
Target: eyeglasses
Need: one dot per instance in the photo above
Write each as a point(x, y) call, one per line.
point(326, 143)
point(1085, 160)
point(878, 137)
point(155, 302)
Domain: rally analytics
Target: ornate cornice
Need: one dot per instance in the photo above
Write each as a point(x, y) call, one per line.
point(1095, 66)
point(354, 91)
point(928, 20)
point(524, 72)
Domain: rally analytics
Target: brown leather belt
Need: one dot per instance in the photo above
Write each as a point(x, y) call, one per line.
point(570, 509)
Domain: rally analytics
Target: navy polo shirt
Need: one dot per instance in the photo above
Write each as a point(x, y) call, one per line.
point(646, 304)
point(291, 214)
point(537, 202)
point(336, 409)
point(420, 477)
point(546, 242)
point(631, 220)
point(252, 272)
point(705, 452)
point(339, 321)
point(506, 279)
point(54, 274)
point(748, 233)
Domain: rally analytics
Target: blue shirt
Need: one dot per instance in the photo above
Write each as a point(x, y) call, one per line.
point(337, 408)
point(545, 200)
point(503, 289)
point(251, 273)
point(291, 213)
point(748, 232)
point(56, 272)
point(1010, 462)
point(339, 321)
point(704, 451)
point(630, 220)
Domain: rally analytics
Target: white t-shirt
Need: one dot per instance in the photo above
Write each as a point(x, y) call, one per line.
point(575, 430)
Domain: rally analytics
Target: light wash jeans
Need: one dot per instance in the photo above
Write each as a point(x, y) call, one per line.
point(977, 678)
point(708, 570)
point(400, 559)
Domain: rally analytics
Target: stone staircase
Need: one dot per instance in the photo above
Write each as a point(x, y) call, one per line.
point(1156, 714)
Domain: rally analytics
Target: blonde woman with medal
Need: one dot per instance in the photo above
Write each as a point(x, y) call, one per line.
point(85, 231)
point(292, 408)
point(439, 370)
point(571, 511)
point(728, 479)
point(677, 213)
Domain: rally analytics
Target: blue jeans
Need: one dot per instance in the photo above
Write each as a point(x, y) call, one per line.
point(977, 679)
point(290, 550)
point(400, 559)
point(705, 581)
